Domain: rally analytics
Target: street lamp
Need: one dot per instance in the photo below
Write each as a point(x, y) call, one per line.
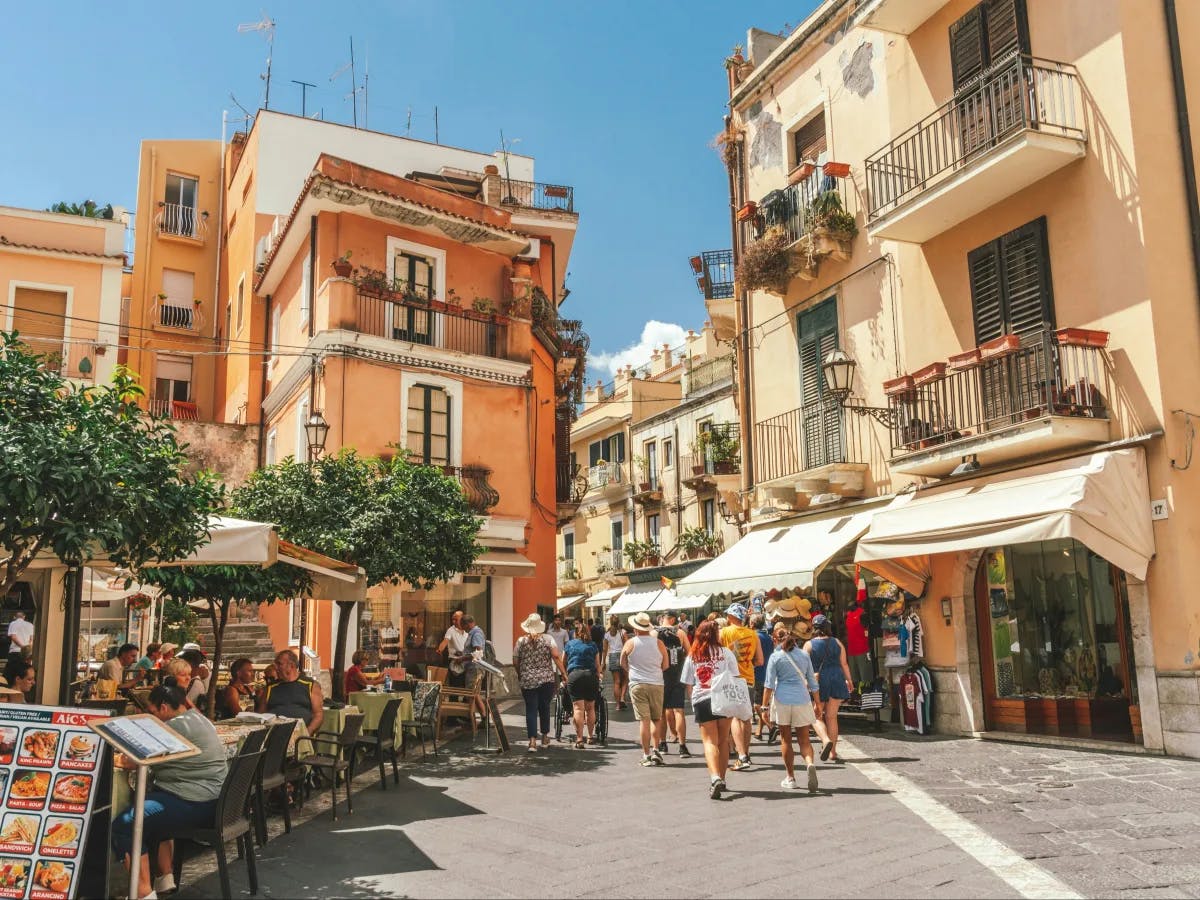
point(316, 429)
point(838, 368)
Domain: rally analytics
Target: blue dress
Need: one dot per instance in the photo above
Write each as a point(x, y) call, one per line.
point(826, 656)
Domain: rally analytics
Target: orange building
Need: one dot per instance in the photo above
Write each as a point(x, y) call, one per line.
point(439, 336)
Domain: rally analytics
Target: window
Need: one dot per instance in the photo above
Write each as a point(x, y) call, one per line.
point(610, 449)
point(652, 529)
point(428, 425)
point(709, 510)
point(413, 274)
point(301, 452)
point(809, 141)
point(272, 447)
point(668, 454)
point(178, 212)
point(40, 316)
point(176, 305)
point(569, 545)
point(305, 289)
point(652, 464)
point(276, 316)
point(1010, 285)
point(985, 35)
point(172, 383)
point(820, 422)
point(241, 303)
point(181, 190)
point(617, 533)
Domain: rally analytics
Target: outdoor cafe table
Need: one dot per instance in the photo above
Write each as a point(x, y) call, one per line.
point(371, 703)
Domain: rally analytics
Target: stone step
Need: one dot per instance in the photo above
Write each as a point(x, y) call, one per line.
point(248, 639)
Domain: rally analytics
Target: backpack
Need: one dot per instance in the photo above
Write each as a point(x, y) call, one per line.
point(674, 646)
point(489, 653)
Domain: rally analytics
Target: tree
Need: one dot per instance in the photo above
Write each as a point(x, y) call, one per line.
point(84, 473)
point(399, 521)
point(88, 209)
point(221, 587)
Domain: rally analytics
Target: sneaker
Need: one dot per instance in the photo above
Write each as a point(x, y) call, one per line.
point(662, 746)
point(648, 761)
point(684, 752)
point(533, 746)
point(656, 755)
point(741, 764)
point(812, 779)
point(164, 883)
point(788, 784)
point(825, 751)
point(715, 788)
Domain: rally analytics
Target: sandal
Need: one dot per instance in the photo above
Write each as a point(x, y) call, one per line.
point(578, 744)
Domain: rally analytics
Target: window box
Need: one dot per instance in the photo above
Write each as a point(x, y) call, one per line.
point(1001, 346)
point(836, 169)
point(748, 211)
point(968, 359)
point(894, 387)
point(1082, 337)
point(802, 172)
point(931, 372)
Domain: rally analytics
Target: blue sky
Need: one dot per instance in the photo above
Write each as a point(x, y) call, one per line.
point(619, 99)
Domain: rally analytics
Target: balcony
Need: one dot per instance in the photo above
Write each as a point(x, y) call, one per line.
point(709, 375)
point(899, 16)
point(607, 478)
point(1001, 402)
point(402, 317)
point(1022, 120)
point(479, 493)
point(649, 490)
point(536, 195)
point(182, 410)
point(715, 453)
point(610, 561)
point(569, 574)
point(808, 451)
point(177, 220)
point(571, 485)
point(182, 315)
point(714, 277)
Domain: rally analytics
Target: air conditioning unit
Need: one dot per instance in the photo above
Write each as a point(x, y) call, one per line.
point(535, 250)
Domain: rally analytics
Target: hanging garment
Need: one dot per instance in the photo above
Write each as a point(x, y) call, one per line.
point(916, 635)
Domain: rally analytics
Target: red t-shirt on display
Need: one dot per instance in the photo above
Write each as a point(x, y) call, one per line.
point(856, 633)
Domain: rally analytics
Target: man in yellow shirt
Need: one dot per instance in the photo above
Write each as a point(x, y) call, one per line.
point(745, 645)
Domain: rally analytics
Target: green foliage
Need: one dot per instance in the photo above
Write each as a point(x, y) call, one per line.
point(826, 211)
point(224, 585)
point(696, 540)
point(717, 444)
point(84, 472)
point(640, 551)
point(88, 209)
point(178, 622)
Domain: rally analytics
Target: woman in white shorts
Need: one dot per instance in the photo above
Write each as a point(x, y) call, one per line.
point(787, 701)
point(614, 642)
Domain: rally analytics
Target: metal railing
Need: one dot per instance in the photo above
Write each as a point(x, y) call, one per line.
point(477, 490)
point(1042, 378)
point(571, 484)
point(716, 276)
point(1018, 94)
point(423, 323)
point(536, 195)
point(605, 474)
point(568, 570)
point(181, 316)
point(180, 220)
point(799, 440)
point(797, 208)
point(174, 409)
point(704, 375)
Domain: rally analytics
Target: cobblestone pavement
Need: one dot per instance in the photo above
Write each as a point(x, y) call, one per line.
point(592, 823)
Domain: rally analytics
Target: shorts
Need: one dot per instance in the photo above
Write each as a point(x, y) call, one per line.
point(647, 701)
point(582, 684)
point(472, 677)
point(674, 696)
point(614, 661)
point(704, 713)
point(792, 716)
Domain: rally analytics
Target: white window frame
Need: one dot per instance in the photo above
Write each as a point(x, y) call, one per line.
point(272, 448)
point(42, 286)
point(453, 389)
point(301, 451)
point(398, 245)
point(305, 288)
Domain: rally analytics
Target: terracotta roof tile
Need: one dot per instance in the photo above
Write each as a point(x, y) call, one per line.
point(5, 242)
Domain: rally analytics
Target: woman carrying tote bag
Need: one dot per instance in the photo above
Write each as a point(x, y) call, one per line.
point(705, 667)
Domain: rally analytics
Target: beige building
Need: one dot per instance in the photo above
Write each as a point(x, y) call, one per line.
point(985, 210)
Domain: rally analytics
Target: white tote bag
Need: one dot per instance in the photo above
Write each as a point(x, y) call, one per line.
point(730, 696)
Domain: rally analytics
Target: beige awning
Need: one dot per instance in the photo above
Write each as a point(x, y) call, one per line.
point(567, 602)
point(505, 563)
point(606, 596)
point(637, 598)
point(1101, 500)
point(668, 599)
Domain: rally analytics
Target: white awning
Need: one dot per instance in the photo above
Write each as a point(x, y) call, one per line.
point(606, 596)
point(780, 557)
point(565, 602)
point(668, 599)
point(1102, 501)
point(505, 563)
point(234, 542)
point(637, 598)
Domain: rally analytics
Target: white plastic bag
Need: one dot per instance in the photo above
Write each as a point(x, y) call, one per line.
point(730, 696)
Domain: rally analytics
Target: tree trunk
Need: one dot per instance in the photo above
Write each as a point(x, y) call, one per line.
point(345, 613)
point(218, 640)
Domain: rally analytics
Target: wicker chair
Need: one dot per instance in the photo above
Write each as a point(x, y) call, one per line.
point(426, 700)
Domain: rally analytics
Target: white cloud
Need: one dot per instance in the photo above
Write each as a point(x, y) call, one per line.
point(654, 335)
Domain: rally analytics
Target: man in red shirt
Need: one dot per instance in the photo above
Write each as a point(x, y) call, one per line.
point(858, 646)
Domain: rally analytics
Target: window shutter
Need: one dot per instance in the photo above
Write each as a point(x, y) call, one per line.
point(595, 453)
point(821, 424)
point(619, 453)
point(809, 139)
point(983, 266)
point(967, 53)
point(1030, 306)
point(1005, 28)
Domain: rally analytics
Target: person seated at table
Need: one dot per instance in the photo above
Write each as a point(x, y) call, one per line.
point(270, 674)
point(239, 693)
point(20, 676)
point(184, 795)
point(166, 653)
point(178, 673)
point(114, 669)
point(197, 689)
point(294, 695)
point(356, 678)
point(150, 660)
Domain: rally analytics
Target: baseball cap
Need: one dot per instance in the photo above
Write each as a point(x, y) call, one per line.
point(736, 611)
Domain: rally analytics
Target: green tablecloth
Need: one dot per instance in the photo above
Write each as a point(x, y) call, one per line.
point(371, 703)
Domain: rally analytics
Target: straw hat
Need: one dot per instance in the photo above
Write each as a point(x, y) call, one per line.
point(641, 622)
point(168, 647)
point(533, 624)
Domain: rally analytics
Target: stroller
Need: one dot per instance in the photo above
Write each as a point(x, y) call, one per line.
point(563, 712)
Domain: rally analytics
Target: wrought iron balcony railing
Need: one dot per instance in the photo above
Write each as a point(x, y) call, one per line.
point(479, 493)
point(401, 318)
point(536, 195)
point(799, 440)
point(801, 207)
point(184, 410)
point(1020, 93)
point(571, 484)
point(181, 221)
point(604, 475)
point(714, 274)
point(568, 570)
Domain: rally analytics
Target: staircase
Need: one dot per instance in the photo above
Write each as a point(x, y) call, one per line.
point(249, 639)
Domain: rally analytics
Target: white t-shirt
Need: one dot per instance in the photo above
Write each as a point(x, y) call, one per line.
point(560, 636)
point(701, 675)
point(614, 642)
point(22, 630)
point(457, 640)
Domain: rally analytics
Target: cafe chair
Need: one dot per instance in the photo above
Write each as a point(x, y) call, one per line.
point(272, 777)
point(338, 760)
point(426, 699)
point(231, 822)
point(438, 674)
point(253, 742)
point(383, 741)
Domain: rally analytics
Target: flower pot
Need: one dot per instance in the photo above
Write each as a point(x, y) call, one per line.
point(896, 386)
point(1001, 346)
point(744, 70)
point(653, 561)
point(931, 372)
point(522, 269)
point(491, 170)
point(801, 172)
point(748, 211)
point(342, 268)
point(968, 359)
point(725, 467)
point(697, 264)
point(1082, 337)
point(836, 169)
point(697, 470)
point(643, 487)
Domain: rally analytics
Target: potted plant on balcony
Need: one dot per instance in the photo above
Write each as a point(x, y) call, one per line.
point(726, 144)
point(768, 263)
point(830, 226)
point(836, 169)
point(695, 542)
point(802, 171)
point(721, 447)
point(640, 553)
point(642, 464)
point(341, 265)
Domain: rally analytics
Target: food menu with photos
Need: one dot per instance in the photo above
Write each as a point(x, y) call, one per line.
point(49, 768)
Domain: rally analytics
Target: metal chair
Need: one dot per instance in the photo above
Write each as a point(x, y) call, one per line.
point(384, 741)
point(339, 760)
point(426, 699)
point(231, 822)
point(273, 776)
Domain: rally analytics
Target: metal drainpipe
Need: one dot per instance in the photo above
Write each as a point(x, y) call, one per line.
point(1185, 134)
point(742, 324)
point(262, 388)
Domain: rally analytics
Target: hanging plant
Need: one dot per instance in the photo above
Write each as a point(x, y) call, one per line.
point(726, 144)
point(767, 263)
point(137, 601)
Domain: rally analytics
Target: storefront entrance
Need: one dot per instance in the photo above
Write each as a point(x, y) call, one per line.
point(1055, 647)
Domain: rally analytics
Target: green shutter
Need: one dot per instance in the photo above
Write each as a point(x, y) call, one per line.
point(987, 302)
point(821, 423)
point(1029, 305)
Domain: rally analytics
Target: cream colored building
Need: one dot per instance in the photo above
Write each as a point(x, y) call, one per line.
point(1020, 301)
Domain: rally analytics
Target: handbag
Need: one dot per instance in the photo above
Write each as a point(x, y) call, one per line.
point(730, 696)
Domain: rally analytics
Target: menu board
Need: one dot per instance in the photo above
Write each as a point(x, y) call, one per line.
point(49, 761)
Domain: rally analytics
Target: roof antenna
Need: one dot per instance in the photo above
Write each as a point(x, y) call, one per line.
point(304, 86)
point(353, 95)
point(366, 82)
point(267, 25)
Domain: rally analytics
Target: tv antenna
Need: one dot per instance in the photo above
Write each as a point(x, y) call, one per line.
point(304, 86)
point(245, 111)
point(266, 25)
point(354, 88)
